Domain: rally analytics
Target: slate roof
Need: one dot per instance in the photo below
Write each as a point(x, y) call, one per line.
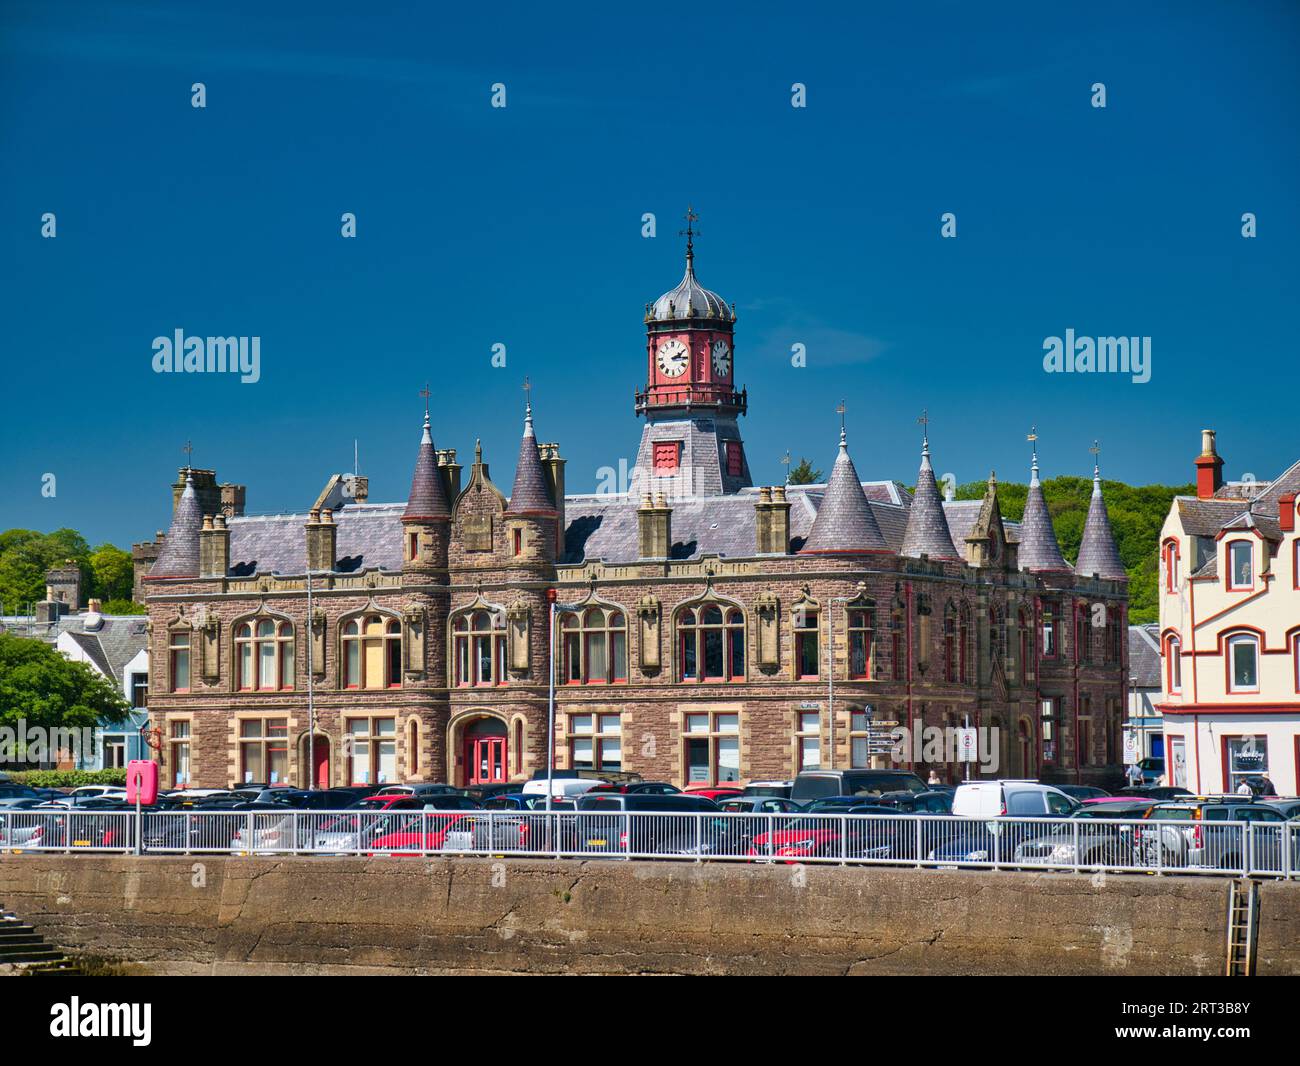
point(1144, 655)
point(180, 551)
point(1097, 551)
point(1039, 548)
point(927, 529)
point(118, 640)
point(369, 535)
point(530, 494)
point(427, 499)
point(845, 521)
point(1204, 518)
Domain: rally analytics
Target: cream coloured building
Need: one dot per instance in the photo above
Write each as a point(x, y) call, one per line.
point(1230, 631)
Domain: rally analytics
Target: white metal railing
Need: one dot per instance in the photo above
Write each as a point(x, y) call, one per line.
point(1139, 845)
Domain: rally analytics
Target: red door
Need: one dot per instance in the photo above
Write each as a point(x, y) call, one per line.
point(321, 769)
point(485, 760)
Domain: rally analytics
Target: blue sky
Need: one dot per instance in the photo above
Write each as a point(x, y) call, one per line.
point(522, 226)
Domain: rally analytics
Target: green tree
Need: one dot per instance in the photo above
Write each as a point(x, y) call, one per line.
point(42, 686)
point(25, 556)
point(804, 474)
point(112, 573)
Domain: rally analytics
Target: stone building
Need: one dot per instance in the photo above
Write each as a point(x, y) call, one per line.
point(705, 628)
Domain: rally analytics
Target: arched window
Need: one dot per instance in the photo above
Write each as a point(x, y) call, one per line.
point(178, 660)
point(963, 643)
point(1026, 645)
point(1174, 663)
point(1243, 662)
point(479, 649)
point(1169, 559)
point(862, 640)
point(372, 652)
point(950, 665)
point(594, 646)
point(711, 641)
point(263, 655)
point(413, 747)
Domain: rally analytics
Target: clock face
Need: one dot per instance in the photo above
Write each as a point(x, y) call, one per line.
point(721, 358)
point(672, 358)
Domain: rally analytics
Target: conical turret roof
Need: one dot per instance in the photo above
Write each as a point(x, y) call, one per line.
point(927, 526)
point(427, 499)
point(844, 521)
point(530, 494)
point(180, 551)
point(1039, 549)
point(1097, 551)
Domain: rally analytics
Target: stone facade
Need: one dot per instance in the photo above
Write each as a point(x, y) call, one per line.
point(447, 607)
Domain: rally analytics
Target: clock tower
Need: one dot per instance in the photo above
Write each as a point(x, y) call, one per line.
point(691, 443)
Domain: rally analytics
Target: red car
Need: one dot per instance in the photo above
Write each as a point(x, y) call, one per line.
point(715, 792)
point(424, 832)
point(805, 838)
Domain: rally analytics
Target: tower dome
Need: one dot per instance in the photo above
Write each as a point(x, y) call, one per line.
point(689, 299)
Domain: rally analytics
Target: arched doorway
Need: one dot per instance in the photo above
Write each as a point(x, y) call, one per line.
point(484, 743)
point(317, 756)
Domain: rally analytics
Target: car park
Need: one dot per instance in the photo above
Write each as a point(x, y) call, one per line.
point(884, 835)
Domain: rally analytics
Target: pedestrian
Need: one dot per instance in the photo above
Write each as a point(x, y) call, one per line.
point(1244, 789)
point(1134, 775)
point(933, 778)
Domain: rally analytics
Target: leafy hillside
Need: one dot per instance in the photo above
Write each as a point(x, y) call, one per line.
point(1136, 515)
point(25, 555)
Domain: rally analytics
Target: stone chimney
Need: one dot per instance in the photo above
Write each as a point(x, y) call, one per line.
point(322, 540)
point(654, 524)
point(232, 500)
point(449, 471)
point(553, 466)
point(214, 546)
point(1209, 467)
point(772, 521)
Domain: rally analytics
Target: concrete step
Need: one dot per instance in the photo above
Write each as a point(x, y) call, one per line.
point(34, 954)
point(8, 943)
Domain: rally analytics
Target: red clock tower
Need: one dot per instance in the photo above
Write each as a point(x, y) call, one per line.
point(691, 444)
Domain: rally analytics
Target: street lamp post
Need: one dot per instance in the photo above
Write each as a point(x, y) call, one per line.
point(311, 693)
point(555, 605)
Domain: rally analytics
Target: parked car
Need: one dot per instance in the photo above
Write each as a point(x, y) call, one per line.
point(884, 836)
point(816, 784)
point(425, 832)
point(637, 788)
point(1099, 834)
point(1201, 837)
point(757, 805)
point(1083, 792)
point(89, 791)
point(1152, 770)
point(600, 828)
point(933, 801)
point(420, 789)
point(714, 792)
point(563, 788)
point(1010, 798)
point(11, 794)
point(780, 789)
point(1155, 792)
point(1288, 808)
point(482, 793)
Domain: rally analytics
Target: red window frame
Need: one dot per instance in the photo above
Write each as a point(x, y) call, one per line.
point(1231, 585)
point(667, 455)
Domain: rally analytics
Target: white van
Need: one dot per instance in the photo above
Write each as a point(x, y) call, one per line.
point(1014, 799)
point(567, 788)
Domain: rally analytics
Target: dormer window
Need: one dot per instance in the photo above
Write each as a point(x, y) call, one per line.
point(1240, 565)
